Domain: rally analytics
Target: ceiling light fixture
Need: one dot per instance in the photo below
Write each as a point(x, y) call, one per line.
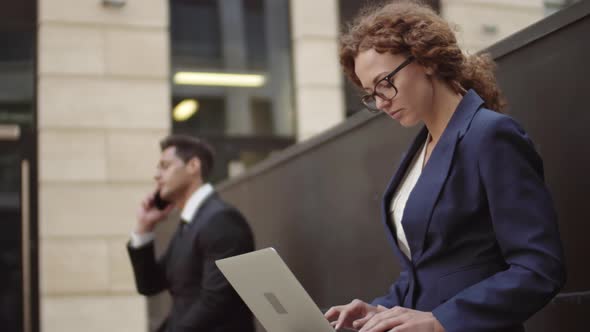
point(219, 79)
point(185, 109)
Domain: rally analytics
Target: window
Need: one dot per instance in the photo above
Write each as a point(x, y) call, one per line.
point(231, 74)
point(17, 70)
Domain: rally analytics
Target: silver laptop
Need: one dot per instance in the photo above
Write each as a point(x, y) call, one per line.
point(272, 292)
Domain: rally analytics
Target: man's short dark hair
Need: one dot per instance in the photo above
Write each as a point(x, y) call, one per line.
point(187, 148)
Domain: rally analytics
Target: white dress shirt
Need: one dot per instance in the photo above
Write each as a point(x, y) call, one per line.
point(398, 203)
point(188, 212)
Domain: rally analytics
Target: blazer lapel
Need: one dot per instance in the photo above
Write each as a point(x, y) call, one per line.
point(423, 198)
point(181, 244)
point(405, 163)
point(392, 187)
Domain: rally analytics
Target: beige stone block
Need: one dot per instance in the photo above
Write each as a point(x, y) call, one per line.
point(138, 53)
point(120, 271)
point(71, 102)
point(72, 155)
point(312, 18)
point(74, 266)
point(89, 209)
point(133, 155)
point(151, 13)
point(318, 109)
point(70, 49)
point(520, 4)
point(94, 314)
point(316, 62)
point(103, 103)
point(472, 19)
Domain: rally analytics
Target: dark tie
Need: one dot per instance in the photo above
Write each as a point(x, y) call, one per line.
point(183, 225)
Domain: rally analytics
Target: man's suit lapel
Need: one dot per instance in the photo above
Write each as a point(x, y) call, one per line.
point(186, 232)
point(419, 207)
point(200, 218)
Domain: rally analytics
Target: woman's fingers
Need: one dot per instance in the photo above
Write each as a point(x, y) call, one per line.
point(333, 312)
point(342, 316)
point(384, 319)
point(359, 323)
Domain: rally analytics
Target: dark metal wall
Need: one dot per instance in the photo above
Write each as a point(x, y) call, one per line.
point(319, 207)
point(318, 203)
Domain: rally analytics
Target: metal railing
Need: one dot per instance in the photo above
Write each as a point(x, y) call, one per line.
point(572, 297)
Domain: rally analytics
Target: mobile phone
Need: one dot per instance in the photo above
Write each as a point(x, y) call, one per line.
point(160, 203)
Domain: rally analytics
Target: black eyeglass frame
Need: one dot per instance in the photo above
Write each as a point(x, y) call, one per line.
point(366, 99)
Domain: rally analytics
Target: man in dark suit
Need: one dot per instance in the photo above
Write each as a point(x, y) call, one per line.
point(209, 230)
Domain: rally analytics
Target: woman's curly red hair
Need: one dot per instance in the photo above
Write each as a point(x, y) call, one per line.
point(412, 28)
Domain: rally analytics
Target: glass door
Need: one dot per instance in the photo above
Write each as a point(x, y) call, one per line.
point(16, 240)
point(19, 295)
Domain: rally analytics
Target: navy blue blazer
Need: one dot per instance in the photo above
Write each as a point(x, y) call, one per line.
point(481, 226)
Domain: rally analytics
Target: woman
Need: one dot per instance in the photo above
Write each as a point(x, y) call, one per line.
point(468, 211)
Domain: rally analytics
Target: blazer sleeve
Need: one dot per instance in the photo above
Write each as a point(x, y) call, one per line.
point(396, 294)
point(226, 234)
point(149, 273)
point(525, 224)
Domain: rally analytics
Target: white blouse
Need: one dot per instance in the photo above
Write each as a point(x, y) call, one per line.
point(398, 203)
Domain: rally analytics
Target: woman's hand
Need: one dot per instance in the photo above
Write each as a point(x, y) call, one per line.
point(352, 315)
point(398, 319)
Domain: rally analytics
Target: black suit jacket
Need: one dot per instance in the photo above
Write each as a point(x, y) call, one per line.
point(202, 299)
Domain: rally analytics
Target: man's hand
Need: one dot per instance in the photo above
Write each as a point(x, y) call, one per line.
point(398, 319)
point(148, 216)
point(352, 315)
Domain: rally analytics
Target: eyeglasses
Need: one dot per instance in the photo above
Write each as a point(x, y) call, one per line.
point(384, 89)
